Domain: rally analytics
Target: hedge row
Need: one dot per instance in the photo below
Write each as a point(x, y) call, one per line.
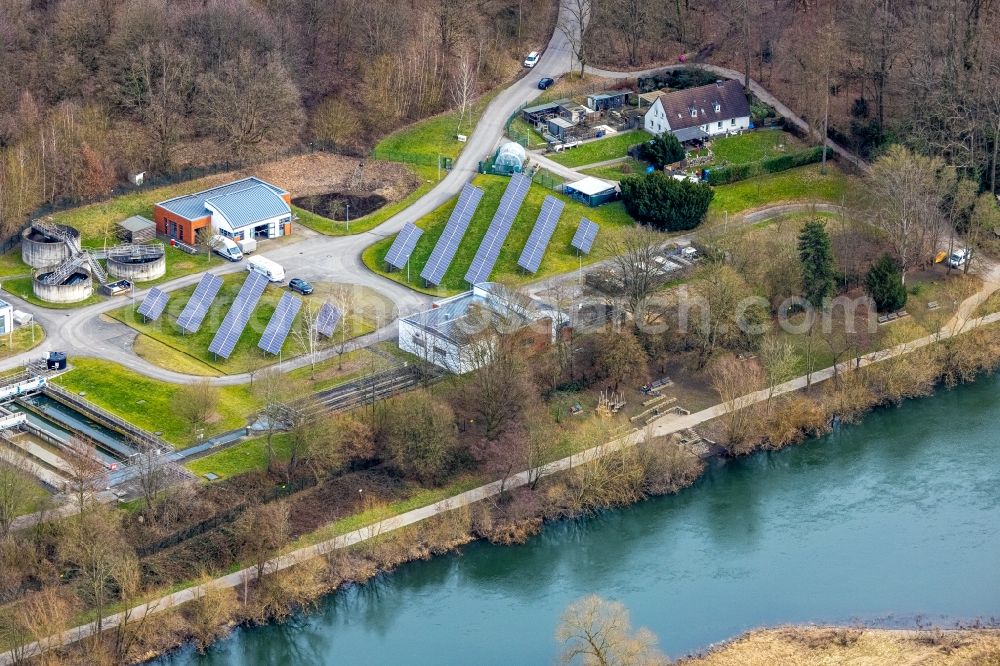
point(736, 172)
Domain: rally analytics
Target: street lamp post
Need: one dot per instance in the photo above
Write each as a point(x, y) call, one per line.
point(348, 218)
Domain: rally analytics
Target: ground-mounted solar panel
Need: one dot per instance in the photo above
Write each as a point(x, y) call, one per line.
point(585, 234)
point(326, 320)
point(152, 306)
point(447, 245)
point(503, 220)
point(541, 234)
point(401, 249)
point(278, 327)
point(197, 306)
point(239, 314)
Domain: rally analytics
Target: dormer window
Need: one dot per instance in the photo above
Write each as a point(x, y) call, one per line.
point(694, 113)
point(718, 107)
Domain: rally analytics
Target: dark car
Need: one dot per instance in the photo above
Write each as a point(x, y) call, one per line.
point(545, 83)
point(301, 286)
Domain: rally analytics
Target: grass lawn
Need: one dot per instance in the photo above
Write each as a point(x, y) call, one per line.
point(754, 146)
point(618, 170)
point(184, 349)
point(522, 130)
point(599, 150)
point(424, 141)
point(96, 222)
point(802, 184)
point(11, 264)
point(22, 339)
point(338, 370)
point(559, 258)
point(241, 457)
point(147, 402)
point(324, 225)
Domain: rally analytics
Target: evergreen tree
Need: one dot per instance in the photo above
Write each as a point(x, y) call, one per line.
point(816, 255)
point(663, 150)
point(884, 283)
point(666, 204)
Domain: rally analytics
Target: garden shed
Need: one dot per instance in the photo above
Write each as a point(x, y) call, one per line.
point(137, 229)
point(606, 101)
point(591, 191)
point(540, 112)
point(560, 128)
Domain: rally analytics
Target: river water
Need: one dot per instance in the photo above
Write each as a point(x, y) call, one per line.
point(892, 521)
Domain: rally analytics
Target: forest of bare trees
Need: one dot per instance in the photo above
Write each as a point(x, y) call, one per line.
point(924, 73)
point(92, 90)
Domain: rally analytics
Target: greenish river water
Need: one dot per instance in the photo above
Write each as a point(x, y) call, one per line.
point(893, 521)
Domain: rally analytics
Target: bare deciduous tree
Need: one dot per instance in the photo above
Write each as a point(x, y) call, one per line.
point(633, 256)
point(575, 25)
point(463, 87)
point(595, 632)
point(195, 404)
point(907, 191)
point(263, 531)
point(16, 492)
point(246, 103)
point(735, 380)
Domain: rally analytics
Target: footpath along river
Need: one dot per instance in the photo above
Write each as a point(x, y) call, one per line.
point(892, 521)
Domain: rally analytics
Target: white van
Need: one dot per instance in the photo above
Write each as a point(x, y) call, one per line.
point(272, 269)
point(958, 258)
point(227, 248)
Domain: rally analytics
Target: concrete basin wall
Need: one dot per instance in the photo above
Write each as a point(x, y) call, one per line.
point(64, 293)
point(40, 251)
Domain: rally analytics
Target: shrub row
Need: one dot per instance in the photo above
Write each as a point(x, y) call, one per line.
point(736, 172)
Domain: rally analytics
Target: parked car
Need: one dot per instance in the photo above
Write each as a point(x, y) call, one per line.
point(958, 258)
point(301, 286)
point(532, 59)
point(545, 83)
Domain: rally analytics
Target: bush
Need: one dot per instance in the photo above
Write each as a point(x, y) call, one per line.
point(736, 172)
point(664, 203)
point(884, 283)
point(420, 437)
point(663, 150)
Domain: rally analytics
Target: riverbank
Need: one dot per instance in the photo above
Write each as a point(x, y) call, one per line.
point(613, 474)
point(793, 646)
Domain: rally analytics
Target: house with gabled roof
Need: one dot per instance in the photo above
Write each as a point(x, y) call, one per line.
point(698, 113)
point(249, 208)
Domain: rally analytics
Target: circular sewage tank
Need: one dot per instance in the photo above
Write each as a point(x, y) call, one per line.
point(41, 250)
point(73, 289)
point(137, 263)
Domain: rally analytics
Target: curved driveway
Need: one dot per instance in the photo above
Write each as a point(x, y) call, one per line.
point(81, 332)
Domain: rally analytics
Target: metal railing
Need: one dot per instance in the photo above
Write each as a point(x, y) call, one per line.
point(131, 430)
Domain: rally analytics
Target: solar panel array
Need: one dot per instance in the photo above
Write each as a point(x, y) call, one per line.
point(585, 234)
point(443, 253)
point(152, 306)
point(403, 246)
point(239, 314)
point(503, 220)
point(280, 324)
point(541, 234)
point(197, 306)
point(327, 319)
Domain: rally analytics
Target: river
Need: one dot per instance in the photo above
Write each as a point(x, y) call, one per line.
point(892, 521)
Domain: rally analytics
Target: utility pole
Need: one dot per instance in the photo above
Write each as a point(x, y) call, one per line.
point(348, 218)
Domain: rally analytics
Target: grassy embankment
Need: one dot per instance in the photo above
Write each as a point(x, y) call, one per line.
point(829, 646)
point(177, 350)
point(419, 146)
point(148, 403)
point(559, 258)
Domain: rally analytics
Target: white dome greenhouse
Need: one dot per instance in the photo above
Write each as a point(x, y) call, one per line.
point(510, 158)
